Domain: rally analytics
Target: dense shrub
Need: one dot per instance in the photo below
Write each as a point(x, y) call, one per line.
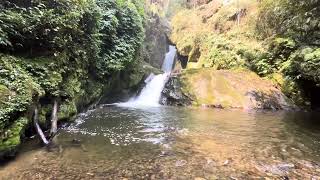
point(272, 37)
point(17, 90)
point(210, 36)
point(294, 29)
point(112, 31)
point(122, 33)
point(293, 18)
point(62, 49)
point(305, 64)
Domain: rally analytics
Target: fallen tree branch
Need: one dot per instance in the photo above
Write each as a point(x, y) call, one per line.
point(38, 128)
point(54, 118)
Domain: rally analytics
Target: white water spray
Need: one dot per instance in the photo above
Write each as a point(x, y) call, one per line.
point(151, 93)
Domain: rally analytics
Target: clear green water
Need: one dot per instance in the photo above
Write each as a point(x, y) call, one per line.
point(176, 143)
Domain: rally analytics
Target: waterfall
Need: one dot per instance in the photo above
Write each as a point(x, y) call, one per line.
point(151, 93)
point(169, 59)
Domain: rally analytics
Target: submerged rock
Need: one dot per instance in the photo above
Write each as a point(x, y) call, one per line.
point(278, 169)
point(180, 163)
point(224, 89)
point(76, 141)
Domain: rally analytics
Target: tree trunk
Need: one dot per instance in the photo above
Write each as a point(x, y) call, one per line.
point(54, 118)
point(38, 128)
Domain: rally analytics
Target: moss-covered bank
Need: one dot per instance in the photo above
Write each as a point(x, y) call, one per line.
point(276, 39)
point(21, 91)
point(70, 52)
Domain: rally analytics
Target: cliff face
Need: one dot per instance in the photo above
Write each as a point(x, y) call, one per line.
point(156, 41)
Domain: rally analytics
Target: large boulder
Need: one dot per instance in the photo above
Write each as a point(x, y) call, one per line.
point(224, 89)
point(173, 95)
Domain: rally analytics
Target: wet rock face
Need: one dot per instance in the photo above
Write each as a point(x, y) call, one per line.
point(211, 88)
point(156, 41)
point(172, 94)
point(260, 100)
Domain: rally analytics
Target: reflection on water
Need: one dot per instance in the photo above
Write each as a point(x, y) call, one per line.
point(177, 143)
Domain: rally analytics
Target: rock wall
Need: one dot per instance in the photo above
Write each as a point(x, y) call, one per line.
point(156, 42)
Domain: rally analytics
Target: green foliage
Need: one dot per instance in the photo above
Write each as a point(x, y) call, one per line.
point(294, 49)
point(122, 30)
point(281, 48)
point(224, 53)
point(305, 64)
point(66, 49)
point(282, 37)
point(67, 109)
point(11, 137)
point(275, 59)
point(294, 18)
point(46, 27)
point(19, 87)
point(113, 28)
point(46, 73)
point(209, 37)
point(261, 66)
point(112, 32)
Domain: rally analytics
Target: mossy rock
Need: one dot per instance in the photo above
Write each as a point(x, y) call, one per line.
point(67, 110)
point(10, 139)
point(4, 95)
point(232, 89)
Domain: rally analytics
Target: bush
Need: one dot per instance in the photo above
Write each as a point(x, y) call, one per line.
point(293, 18)
point(122, 34)
point(62, 49)
point(19, 87)
point(305, 64)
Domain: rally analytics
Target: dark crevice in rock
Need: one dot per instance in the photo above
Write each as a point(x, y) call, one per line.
point(183, 60)
point(172, 94)
point(312, 93)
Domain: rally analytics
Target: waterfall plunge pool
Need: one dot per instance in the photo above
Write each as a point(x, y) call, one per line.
point(176, 143)
point(140, 139)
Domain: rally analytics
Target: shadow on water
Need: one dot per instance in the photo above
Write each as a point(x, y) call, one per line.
point(305, 120)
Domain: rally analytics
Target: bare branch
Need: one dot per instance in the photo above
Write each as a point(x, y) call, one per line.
point(38, 128)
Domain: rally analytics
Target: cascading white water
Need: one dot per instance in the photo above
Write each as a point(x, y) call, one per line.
point(151, 93)
point(169, 59)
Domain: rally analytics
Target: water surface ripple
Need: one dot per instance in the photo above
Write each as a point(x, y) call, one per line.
point(177, 143)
